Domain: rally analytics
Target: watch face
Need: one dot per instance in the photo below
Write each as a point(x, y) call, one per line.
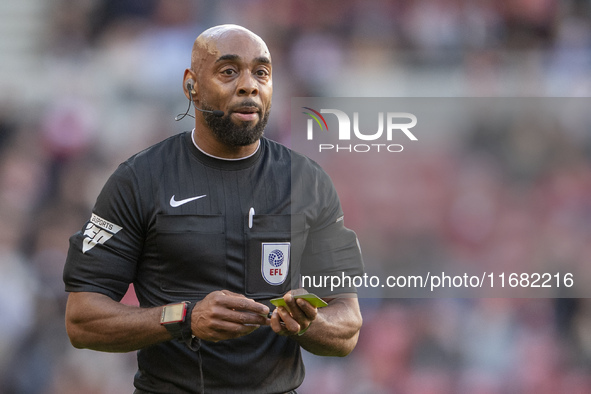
point(174, 313)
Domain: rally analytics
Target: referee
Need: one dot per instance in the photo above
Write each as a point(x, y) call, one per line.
point(210, 225)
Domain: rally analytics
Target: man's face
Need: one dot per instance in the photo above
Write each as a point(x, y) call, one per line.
point(235, 77)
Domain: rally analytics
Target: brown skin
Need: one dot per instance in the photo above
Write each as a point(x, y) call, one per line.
point(97, 322)
point(223, 81)
point(335, 330)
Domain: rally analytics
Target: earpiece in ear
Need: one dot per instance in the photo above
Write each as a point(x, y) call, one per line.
point(190, 86)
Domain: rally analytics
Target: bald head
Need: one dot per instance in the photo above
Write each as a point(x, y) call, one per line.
point(230, 72)
point(215, 39)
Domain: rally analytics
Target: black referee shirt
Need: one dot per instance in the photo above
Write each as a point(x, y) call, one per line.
point(180, 224)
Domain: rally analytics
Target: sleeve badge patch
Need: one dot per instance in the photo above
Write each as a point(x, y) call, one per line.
point(98, 231)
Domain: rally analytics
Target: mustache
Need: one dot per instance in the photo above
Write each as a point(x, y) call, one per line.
point(247, 103)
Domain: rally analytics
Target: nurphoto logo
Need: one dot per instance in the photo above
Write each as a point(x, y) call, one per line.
point(396, 123)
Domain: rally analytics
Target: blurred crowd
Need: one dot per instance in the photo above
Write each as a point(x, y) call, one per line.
point(108, 84)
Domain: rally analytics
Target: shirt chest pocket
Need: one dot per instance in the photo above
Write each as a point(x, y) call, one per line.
point(274, 246)
point(192, 249)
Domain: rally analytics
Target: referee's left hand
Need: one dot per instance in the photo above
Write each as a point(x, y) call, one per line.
point(294, 318)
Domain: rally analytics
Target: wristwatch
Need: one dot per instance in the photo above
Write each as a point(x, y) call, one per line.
point(176, 319)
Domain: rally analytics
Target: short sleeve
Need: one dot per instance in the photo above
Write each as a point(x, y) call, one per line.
point(103, 256)
point(332, 250)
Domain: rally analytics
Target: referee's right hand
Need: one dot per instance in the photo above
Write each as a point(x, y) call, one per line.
point(226, 315)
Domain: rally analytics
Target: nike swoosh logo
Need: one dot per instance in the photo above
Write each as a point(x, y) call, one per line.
point(174, 203)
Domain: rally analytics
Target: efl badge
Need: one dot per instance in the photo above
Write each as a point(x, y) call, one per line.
point(275, 262)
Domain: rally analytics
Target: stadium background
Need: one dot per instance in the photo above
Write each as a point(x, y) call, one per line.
point(86, 83)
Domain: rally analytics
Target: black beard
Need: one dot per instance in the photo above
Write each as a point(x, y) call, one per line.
point(231, 134)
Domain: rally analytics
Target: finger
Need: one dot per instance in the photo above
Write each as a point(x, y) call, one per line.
point(242, 303)
point(288, 298)
point(216, 329)
point(308, 309)
point(230, 330)
point(291, 324)
point(222, 313)
point(231, 293)
point(294, 308)
point(243, 317)
point(277, 325)
point(275, 322)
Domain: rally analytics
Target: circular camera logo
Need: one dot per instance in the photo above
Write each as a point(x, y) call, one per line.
point(276, 258)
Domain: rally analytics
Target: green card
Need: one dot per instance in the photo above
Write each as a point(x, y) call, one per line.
point(313, 299)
